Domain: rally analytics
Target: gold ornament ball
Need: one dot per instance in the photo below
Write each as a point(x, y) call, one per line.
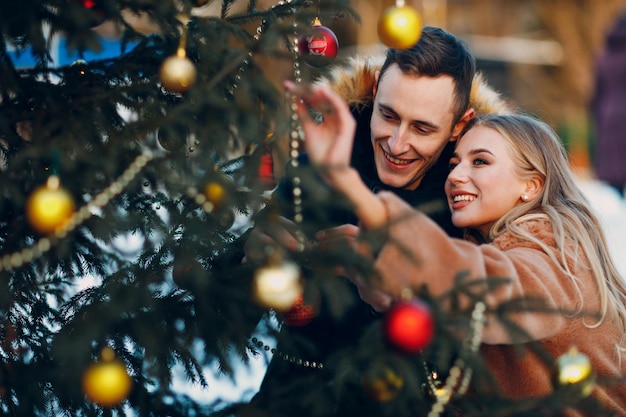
point(384, 386)
point(574, 368)
point(178, 74)
point(400, 27)
point(278, 286)
point(48, 208)
point(106, 382)
point(215, 194)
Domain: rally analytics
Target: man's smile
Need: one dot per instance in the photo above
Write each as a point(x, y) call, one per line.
point(396, 161)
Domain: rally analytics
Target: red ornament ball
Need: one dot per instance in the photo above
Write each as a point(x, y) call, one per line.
point(188, 273)
point(299, 314)
point(88, 4)
point(98, 14)
point(409, 325)
point(266, 168)
point(319, 46)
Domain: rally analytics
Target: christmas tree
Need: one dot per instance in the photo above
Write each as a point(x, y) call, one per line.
point(166, 144)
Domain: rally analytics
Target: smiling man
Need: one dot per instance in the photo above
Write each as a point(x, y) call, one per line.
point(414, 118)
point(408, 110)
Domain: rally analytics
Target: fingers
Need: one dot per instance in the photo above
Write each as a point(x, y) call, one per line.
point(378, 300)
point(264, 239)
point(319, 98)
point(345, 230)
point(316, 97)
point(255, 247)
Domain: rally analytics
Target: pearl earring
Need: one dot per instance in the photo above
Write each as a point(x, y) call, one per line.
point(525, 197)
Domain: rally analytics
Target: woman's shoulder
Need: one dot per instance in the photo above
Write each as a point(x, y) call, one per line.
point(539, 227)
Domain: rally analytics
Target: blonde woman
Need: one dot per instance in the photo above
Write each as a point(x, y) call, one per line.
point(511, 188)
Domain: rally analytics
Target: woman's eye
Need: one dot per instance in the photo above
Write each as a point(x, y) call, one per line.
point(479, 161)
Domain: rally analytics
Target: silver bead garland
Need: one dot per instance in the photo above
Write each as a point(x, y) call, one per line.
point(43, 245)
point(289, 358)
point(444, 393)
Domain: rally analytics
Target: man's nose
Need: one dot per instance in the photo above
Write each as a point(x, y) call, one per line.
point(399, 141)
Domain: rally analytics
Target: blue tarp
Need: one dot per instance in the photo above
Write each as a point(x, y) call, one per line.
point(61, 56)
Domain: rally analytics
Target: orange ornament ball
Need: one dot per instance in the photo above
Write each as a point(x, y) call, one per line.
point(49, 207)
point(106, 382)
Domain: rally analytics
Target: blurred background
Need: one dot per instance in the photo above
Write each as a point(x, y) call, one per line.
point(539, 54)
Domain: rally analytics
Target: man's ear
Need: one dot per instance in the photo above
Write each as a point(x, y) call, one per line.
point(375, 86)
point(458, 127)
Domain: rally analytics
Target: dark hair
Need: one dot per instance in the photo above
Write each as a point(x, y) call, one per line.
point(438, 52)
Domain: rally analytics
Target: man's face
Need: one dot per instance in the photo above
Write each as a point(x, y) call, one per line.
point(411, 125)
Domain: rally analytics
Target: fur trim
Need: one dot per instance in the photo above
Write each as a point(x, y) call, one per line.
point(354, 82)
point(484, 99)
point(542, 229)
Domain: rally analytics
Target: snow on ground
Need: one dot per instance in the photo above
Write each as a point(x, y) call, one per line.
point(611, 209)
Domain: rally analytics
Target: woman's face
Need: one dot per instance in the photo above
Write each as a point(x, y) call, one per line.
point(483, 184)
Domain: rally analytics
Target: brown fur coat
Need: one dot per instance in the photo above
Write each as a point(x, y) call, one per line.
point(354, 82)
point(418, 252)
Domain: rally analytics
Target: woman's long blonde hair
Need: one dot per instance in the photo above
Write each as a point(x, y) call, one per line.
point(538, 151)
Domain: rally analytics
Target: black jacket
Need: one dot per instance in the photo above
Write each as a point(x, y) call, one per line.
point(291, 378)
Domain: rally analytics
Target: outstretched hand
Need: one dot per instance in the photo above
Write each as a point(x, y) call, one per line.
point(329, 141)
point(329, 147)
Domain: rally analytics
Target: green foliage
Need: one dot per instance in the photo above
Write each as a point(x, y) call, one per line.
point(87, 123)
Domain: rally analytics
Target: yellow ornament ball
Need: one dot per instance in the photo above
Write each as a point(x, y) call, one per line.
point(106, 382)
point(215, 194)
point(574, 369)
point(278, 286)
point(49, 207)
point(399, 27)
point(177, 73)
point(384, 385)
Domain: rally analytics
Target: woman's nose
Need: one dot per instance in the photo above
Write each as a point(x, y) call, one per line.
point(457, 174)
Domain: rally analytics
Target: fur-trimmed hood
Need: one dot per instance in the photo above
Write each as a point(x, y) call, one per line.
point(354, 82)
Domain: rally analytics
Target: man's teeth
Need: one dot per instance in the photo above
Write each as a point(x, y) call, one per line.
point(397, 161)
point(464, 197)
